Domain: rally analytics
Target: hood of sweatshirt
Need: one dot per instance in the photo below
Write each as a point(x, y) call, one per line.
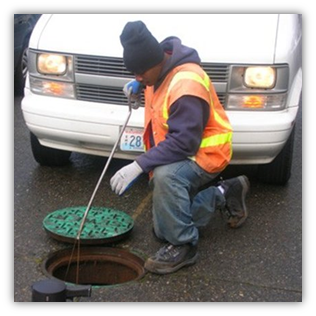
point(179, 54)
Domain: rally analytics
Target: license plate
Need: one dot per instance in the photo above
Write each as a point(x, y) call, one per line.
point(132, 139)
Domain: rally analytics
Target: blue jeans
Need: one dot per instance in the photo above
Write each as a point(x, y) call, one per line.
point(178, 206)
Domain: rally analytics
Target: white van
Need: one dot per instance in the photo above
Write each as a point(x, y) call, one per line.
point(79, 106)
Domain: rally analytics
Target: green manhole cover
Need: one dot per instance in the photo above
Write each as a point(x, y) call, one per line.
point(103, 225)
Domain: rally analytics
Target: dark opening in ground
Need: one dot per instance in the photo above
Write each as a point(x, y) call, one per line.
point(96, 266)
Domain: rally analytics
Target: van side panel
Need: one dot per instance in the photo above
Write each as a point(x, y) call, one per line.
point(289, 50)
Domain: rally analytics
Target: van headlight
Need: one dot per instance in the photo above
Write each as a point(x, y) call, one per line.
point(51, 74)
point(258, 87)
point(51, 64)
point(260, 77)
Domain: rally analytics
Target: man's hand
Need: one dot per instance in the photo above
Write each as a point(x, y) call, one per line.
point(125, 177)
point(133, 89)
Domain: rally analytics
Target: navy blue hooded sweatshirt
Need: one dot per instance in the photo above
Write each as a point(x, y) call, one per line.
point(188, 115)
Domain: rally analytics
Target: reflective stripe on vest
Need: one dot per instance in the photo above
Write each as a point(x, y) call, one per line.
point(180, 76)
point(211, 140)
point(216, 140)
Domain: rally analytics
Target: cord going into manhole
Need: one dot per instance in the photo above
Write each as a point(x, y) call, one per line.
point(96, 189)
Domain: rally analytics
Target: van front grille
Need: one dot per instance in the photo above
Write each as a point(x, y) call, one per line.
point(110, 95)
point(102, 94)
point(114, 67)
point(101, 66)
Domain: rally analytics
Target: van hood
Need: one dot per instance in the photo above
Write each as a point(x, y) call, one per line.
point(222, 38)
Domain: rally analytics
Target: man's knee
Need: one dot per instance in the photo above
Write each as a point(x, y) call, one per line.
point(162, 175)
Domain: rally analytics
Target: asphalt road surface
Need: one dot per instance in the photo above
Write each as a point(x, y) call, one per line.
point(260, 262)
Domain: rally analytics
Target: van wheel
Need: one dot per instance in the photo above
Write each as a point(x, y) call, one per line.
point(21, 71)
point(46, 156)
point(279, 170)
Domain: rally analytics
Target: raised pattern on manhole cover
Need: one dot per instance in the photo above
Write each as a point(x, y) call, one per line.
point(102, 224)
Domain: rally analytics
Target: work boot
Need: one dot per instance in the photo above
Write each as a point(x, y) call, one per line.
point(171, 258)
point(235, 191)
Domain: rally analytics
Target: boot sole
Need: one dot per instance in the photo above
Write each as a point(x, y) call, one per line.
point(171, 269)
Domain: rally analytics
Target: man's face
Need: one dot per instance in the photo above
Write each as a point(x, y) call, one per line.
point(149, 77)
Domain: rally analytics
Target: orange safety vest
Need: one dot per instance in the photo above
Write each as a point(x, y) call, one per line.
point(215, 149)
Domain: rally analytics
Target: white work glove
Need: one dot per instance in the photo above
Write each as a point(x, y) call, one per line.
point(133, 90)
point(125, 177)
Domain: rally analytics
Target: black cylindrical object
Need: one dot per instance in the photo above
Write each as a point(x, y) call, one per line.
point(52, 290)
point(49, 291)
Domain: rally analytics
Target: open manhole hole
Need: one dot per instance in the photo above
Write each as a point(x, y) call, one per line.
point(97, 266)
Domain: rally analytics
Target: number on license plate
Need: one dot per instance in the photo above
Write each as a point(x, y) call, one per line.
point(132, 140)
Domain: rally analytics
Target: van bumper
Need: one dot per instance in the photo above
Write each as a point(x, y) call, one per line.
point(258, 137)
point(92, 128)
point(72, 125)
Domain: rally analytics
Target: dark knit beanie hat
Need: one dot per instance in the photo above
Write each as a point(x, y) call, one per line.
point(141, 50)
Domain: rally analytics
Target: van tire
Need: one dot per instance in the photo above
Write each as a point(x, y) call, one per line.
point(20, 72)
point(279, 170)
point(46, 156)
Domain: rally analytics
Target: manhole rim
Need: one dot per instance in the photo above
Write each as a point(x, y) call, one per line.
point(136, 263)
